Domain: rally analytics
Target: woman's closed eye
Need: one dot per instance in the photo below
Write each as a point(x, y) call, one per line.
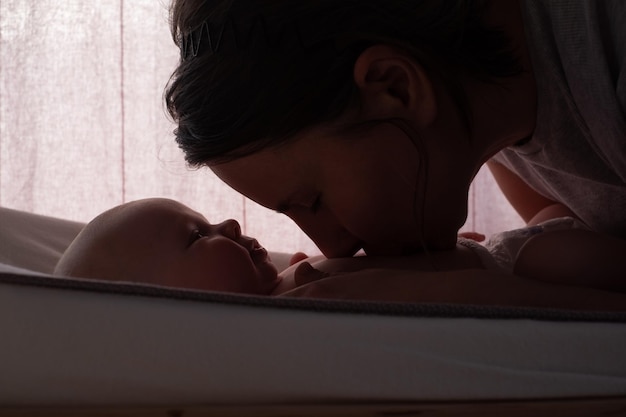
point(312, 205)
point(317, 203)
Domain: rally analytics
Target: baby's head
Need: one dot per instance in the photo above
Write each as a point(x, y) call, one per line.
point(163, 242)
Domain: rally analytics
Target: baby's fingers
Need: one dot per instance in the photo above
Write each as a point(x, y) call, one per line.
point(297, 257)
point(305, 274)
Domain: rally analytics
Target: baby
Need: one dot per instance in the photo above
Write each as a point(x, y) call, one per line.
point(163, 242)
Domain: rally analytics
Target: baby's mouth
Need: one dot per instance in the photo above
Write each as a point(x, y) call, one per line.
point(257, 252)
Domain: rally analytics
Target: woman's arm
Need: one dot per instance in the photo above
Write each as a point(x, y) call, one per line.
point(527, 202)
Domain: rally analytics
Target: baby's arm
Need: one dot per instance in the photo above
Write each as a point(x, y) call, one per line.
point(574, 257)
point(459, 258)
point(474, 286)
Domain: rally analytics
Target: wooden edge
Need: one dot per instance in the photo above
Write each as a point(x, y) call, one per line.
point(596, 407)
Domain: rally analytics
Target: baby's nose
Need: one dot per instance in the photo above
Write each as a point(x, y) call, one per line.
point(230, 228)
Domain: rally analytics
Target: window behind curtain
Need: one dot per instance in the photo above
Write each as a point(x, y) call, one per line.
point(83, 126)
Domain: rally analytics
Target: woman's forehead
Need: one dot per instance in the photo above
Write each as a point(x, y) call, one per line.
point(283, 169)
point(262, 177)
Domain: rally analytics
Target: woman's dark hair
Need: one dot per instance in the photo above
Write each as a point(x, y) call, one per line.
point(254, 72)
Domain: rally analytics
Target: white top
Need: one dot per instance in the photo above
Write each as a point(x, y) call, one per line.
point(500, 252)
point(577, 155)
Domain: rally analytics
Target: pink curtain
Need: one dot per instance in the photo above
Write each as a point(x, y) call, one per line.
point(83, 127)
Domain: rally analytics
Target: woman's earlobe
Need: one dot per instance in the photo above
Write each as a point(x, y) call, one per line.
point(392, 84)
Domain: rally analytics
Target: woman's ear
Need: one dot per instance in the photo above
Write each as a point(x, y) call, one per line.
point(393, 84)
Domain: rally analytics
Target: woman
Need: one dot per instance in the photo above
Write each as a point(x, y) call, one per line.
point(366, 121)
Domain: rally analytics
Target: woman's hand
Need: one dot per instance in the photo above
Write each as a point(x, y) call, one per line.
point(478, 237)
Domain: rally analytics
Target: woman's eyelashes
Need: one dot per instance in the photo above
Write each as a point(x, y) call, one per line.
point(316, 204)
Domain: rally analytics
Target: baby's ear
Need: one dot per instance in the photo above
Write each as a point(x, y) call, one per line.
point(297, 257)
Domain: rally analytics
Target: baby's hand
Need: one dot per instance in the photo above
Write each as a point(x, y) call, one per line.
point(297, 257)
point(306, 274)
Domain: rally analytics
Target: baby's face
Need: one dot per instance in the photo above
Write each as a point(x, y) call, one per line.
point(176, 246)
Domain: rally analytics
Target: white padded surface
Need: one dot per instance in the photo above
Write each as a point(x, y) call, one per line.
point(33, 241)
point(71, 347)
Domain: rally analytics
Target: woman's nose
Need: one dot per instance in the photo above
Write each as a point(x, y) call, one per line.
point(230, 228)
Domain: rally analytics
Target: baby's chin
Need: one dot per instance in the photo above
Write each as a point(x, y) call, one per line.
point(284, 284)
point(270, 277)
